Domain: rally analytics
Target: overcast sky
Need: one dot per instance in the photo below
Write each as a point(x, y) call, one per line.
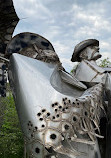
point(65, 23)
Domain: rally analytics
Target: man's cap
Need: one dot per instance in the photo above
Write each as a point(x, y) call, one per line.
point(81, 46)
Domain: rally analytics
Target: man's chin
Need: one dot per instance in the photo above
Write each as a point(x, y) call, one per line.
point(96, 57)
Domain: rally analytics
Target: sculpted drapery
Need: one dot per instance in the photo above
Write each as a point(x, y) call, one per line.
point(61, 115)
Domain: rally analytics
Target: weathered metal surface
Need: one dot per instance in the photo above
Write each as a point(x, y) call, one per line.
point(3, 79)
point(108, 131)
point(25, 40)
point(86, 44)
point(96, 73)
point(88, 72)
point(8, 21)
point(54, 123)
point(50, 116)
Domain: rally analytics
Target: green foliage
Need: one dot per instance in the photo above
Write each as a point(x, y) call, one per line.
point(11, 139)
point(74, 68)
point(105, 62)
point(72, 71)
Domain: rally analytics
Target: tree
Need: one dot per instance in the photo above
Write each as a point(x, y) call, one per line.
point(105, 62)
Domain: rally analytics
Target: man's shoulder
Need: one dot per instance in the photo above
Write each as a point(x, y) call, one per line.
point(92, 64)
point(89, 71)
point(107, 68)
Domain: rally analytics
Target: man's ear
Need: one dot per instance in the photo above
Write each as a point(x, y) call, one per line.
point(83, 54)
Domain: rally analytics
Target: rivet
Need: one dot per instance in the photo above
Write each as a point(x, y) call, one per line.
point(66, 127)
point(56, 103)
point(48, 114)
point(55, 110)
point(43, 125)
point(52, 105)
point(39, 114)
point(53, 136)
point(41, 119)
point(37, 150)
point(43, 110)
point(74, 118)
point(63, 99)
point(36, 128)
point(57, 115)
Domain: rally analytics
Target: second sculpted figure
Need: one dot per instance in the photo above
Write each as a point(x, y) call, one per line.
point(89, 73)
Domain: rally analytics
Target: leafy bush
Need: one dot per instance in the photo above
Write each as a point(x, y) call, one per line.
point(105, 62)
point(11, 138)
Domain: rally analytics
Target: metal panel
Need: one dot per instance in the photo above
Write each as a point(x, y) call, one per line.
point(49, 117)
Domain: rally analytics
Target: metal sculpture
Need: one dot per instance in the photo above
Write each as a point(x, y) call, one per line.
point(60, 114)
point(87, 52)
point(8, 22)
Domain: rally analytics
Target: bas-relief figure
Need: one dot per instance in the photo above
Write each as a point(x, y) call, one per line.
point(61, 115)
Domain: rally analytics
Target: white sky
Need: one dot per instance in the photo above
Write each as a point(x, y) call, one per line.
point(65, 23)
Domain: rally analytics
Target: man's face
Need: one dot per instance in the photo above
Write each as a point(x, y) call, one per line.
point(94, 51)
point(91, 53)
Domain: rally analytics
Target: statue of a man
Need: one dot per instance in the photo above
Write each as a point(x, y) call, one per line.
point(87, 52)
point(88, 72)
